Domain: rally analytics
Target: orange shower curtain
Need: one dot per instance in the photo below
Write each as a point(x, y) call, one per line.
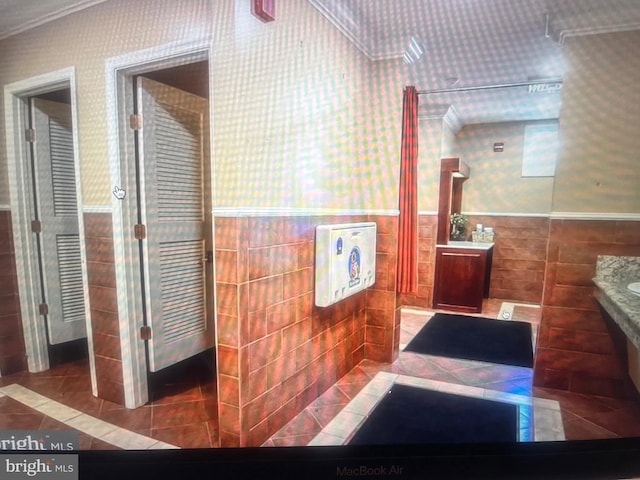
point(407, 269)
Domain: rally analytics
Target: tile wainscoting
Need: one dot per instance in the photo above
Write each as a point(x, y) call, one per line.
point(519, 258)
point(550, 262)
point(277, 351)
point(12, 349)
point(103, 299)
point(575, 351)
point(427, 225)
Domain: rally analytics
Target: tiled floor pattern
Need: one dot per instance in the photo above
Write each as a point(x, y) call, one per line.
point(593, 417)
point(46, 414)
point(346, 423)
point(181, 413)
point(182, 410)
point(357, 394)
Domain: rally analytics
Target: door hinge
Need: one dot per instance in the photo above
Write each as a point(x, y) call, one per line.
point(36, 226)
point(139, 231)
point(145, 332)
point(43, 308)
point(30, 135)
point(135, 121)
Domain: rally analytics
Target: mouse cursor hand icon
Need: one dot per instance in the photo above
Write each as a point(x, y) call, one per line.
point(119, 193)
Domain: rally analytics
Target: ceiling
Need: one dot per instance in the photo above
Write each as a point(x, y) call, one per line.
point(463, 43)
point(478, 43)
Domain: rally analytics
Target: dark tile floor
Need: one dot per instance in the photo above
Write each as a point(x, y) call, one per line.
point(182, 411)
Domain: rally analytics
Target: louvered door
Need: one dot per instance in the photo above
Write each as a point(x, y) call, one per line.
point(171, 160)
point(57, 208)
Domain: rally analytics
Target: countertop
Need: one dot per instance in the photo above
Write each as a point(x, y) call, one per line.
point(613, 274)
point(463, 244)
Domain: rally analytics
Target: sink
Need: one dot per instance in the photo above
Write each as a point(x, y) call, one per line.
point(634, 287)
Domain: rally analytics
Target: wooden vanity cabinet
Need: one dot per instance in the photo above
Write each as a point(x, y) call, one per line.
point(462, 277)
point(463, 269)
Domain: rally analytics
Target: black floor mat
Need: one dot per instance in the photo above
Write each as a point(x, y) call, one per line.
point(411, 415)
point(475, 338)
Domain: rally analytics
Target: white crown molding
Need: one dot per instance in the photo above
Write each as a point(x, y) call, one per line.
point(342, 28)
point(49, 17)
point(581, 32)
point(434, 112)
point(447, 113)
point(350, 35)
point(295, 212)
point(631, 217)
point(452, 118)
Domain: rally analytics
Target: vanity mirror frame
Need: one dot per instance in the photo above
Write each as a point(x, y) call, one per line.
point(453, 173)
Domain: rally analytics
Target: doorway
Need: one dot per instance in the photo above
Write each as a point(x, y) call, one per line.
point(173, 186)
point(163, 231)
point(55, 225)
point(46, 215)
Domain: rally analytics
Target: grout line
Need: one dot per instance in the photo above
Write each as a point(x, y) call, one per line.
point(77, 420)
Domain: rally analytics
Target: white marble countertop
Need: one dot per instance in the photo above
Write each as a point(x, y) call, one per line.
point(463, 244)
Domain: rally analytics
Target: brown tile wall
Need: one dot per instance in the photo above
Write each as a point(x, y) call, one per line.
point(277, 352)
point(519, 258)
point(12, 349)
point(575, 351)
point(427, 225)
point(104, 306)
point(382, 339)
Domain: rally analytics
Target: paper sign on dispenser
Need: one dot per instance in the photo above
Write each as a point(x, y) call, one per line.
point(345, 260)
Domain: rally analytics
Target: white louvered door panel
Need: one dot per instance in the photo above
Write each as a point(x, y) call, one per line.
point(173, 209)
point(58, 212)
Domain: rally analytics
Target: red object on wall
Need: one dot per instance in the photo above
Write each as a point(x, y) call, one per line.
point(265, 10)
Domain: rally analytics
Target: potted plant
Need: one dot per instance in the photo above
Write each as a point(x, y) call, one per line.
point(459, 223)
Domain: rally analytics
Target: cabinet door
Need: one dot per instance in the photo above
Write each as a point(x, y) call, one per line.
point(460, 280)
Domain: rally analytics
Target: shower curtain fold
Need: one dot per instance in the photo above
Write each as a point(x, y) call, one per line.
point(407, 267)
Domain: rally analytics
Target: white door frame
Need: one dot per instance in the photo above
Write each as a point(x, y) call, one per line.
point(118, 84)
point(22, 204)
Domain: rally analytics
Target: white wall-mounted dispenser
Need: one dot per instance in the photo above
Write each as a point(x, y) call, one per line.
point(345, 260)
